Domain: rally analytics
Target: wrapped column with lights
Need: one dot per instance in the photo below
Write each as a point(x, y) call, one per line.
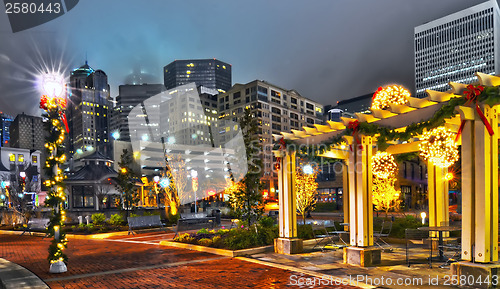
point(53, 103)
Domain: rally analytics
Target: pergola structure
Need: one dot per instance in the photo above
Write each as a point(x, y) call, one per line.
point(479, 151)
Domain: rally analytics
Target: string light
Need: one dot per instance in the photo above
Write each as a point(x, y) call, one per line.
point(394, 94)
point(384, 165)
point(438, 147)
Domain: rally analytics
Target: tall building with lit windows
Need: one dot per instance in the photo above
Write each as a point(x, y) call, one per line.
point(456, 46)
point(88, 112)
point(129, 96)
point(277, 110)
point(209, 73)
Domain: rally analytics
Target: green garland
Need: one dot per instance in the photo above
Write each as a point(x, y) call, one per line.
point(490, 96)
point(54, 147)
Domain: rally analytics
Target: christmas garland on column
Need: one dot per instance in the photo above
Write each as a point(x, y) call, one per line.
point(56, 126)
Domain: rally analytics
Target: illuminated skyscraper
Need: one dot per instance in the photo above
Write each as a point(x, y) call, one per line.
point(88, 110)
point(456, 46)
point(209, 73)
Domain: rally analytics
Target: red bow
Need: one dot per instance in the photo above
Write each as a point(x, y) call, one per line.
point(471, 93)
point(43, 102)
point(278, 159)
point(376, 92)
point(354, 125)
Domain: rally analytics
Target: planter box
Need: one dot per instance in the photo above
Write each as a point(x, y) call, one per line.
point(217, 251)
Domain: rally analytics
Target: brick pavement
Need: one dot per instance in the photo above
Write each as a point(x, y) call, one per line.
point(113, 264)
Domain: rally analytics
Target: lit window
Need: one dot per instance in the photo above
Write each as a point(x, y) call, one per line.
point(34, 159)
point(20, 158)
point(12, 157)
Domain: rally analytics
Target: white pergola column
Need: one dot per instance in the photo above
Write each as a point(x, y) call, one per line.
point(360, 192)
point(287, 243)
point(479, 186)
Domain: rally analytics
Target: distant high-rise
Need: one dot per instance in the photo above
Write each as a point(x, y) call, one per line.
point(210, 73)
point(26, 132)
point(456, 46)
point(88, 110)
point(276, 109)
point(5, 122)
point(130, 96)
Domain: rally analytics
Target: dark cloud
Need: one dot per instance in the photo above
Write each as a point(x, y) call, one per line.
point(326, 49)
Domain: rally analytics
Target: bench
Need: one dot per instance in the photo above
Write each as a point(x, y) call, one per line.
point(37, 224)
point(142, 222)
point(194, 223)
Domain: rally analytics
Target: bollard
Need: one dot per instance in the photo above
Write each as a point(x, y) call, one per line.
point(80, 220)
point(87, 218)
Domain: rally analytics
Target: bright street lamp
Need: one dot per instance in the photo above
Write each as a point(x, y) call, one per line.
point(53, 84)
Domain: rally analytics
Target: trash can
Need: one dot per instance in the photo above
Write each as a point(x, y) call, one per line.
point(216, 214)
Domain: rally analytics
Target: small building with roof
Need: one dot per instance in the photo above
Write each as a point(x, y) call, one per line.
point(92, 186)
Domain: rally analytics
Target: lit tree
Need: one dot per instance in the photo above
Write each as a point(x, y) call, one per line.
point(175, 191)
point(306, 189)
point(385, 196)
point(247, 199)
point(126, 181)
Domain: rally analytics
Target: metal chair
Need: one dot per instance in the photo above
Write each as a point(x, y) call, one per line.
point(338, 233)
point(415, 238)
point(321, 235)
point(385, 230)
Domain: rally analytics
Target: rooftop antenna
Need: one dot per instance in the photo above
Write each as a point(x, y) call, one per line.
point(86, 58)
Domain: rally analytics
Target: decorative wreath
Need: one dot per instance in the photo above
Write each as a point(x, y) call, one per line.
point(394, 94)
point(438, 146)
point(384, 165)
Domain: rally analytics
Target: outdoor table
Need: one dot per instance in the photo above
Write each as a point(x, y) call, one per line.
point(440, 230)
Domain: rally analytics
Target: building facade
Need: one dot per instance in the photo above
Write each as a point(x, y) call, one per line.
point(5, 121)
point(88, 112)
point(210, 73)
point(454, 47)
point(277, 109)
point(130, 96)
point(26, 131)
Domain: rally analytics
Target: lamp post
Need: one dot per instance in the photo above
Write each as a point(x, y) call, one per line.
point(194, 183)
point(53, 102)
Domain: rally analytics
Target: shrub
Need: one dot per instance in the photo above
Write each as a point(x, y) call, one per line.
point(184, 238)
point(172, 219)
point(203, 231)
point(326, 207)
point(217, 242)
point(98, 219)
point(305, 232)
point(205, 242)
point(266, 222)
point(116, 220)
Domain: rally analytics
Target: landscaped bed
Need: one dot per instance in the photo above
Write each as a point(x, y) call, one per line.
point(244, 237)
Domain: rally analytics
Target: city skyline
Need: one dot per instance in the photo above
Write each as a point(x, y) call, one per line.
point(316, 48)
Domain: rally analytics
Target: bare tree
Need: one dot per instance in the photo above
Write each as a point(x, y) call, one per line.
point(100, 193)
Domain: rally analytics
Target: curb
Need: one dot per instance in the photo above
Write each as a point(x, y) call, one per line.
point(323, 277)
point(13, 276)
point(222, 252)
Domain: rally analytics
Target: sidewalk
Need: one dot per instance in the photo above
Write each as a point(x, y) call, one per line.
point(13, 276)
point(330, 265)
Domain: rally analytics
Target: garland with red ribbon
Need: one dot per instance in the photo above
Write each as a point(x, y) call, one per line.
point(471, 95)
point(58, 101)
point(278, 159)
point(354, 126)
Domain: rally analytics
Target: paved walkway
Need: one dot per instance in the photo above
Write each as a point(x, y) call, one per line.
point(139, 262)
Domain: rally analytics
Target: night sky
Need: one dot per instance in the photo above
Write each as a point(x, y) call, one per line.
point(327, 50)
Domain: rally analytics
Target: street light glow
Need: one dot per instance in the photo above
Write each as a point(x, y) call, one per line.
point(308, 170)
point(165, 182)
point(52, 84)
